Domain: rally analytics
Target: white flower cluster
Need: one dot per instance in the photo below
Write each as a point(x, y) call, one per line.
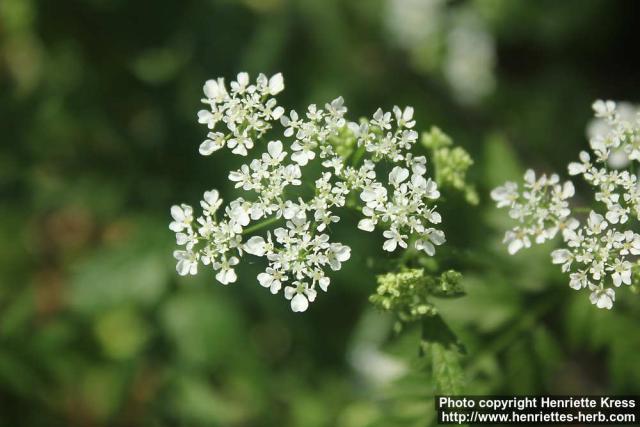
point(601, 252)
point(299, 252)
point(598, 126)
point(246, 111)
point(540, 210)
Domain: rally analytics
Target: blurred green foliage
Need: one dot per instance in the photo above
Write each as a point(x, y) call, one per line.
point(99, 137)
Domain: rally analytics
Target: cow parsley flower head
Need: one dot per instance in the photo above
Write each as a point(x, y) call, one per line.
point(299, 250)
point(600, 250)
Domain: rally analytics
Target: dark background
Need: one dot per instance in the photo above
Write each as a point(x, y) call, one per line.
point(98, 102)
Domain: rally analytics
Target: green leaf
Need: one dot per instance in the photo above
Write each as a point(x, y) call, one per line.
point(443, 353)
point(500, 162)
point(446, 369)
point(199, 402)
point(203, 329)
point(133, 272)
point(121, 332)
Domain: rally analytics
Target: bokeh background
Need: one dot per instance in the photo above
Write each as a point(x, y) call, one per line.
point(98, 102)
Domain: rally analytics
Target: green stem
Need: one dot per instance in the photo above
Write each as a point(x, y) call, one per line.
point(582, 209)
point(260, 225)
point(512, 334)
point(357, 156)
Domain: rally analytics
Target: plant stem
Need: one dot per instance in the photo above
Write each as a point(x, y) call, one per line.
point(260, 225)
point(512, 334)
point(357, 155)
point(582, 209)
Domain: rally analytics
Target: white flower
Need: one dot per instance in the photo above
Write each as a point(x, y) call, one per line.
point(505, 195)
point(291, 123)
point(276, 84)
point(425, 245)
point(272, 279)
point(596, 223)
point(434, 217)
point(431, 190)
point(629, 243)
point(274, 155)
point(562, 256)
point(337, 255)
point(291, 174)
point(404, 117)
point(302, 152)
point(374, 193)
point(337, 109)
point(246, 111)
point(576, 168)
point(300, 297)
point(187, 262)
point(579, 280)
point(182, 217)
point(255, 246)
point(214, 142)
point(239, 213)
point(367, 224)
point(207, 118)
point(617, 213)
point(242, 178)
point(242, 80)
point(516, 240)
point(215, 90)
point(323, 282)
point(621, 272)
point(299, 303)
point(394, 239)
point(398, 175)
point(272, 111)
point(604, 108)
point(226, 273)
point(603, 298)
point(568, 190)
point(240, 145)
point(211, 202)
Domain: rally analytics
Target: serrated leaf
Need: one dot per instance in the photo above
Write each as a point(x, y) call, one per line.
point(443, 353)
point(446, 368)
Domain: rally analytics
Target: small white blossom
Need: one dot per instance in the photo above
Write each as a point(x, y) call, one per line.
point(214, 142)
point(337, 255)
point(603, 298)
point(300, 296)
point(394, 239)
point(272, 279)
point(430, 239)
point(182, 217)
point(255, 246)
point(276, 84)
point(187, 262)
point(211, 202)
point(226, 274)
point(505, 195)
